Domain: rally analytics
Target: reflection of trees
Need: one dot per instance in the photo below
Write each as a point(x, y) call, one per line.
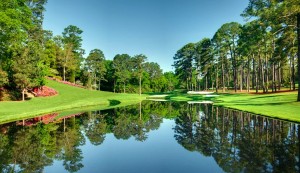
point(95, 127)
point(31, 148)
point(184, 130)
point(239, 142)
point(136, 121)
point(5, 154)
point(204, 135)
point(72, 155)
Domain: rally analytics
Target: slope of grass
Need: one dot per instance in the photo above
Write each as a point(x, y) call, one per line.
point(279, 105)
point(69, 98)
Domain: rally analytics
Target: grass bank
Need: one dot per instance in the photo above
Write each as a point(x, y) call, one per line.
point(69, 98)
point(277, 105)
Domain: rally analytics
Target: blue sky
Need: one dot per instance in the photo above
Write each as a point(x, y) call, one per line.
point(155, 28)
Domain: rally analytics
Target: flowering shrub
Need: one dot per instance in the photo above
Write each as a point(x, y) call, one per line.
point(44, 91)
point(66, 82)
point(45, 119)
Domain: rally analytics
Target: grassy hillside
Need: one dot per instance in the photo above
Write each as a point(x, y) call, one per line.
point(69, 97)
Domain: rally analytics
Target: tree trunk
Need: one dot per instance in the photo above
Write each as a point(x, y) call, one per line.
point(114, 86)
point(217, 80)
point(99, 84)
point(267, 75)
point(234, 66)
point(64, 73)
point(298, 36)
point(235, 79)
point(279, 76)
point(23, 94)
point(256, 81)
point(253, 72)
point(206, 82)
point(290, 72)
point(293, 73)
point(273, 77)
point(262, 74)
point(223, 77)
point(241, 78)
point(140, 82)
point(124, 87)
point(248, 76)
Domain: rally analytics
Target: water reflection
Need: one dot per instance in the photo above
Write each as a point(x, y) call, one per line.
point(237, 141)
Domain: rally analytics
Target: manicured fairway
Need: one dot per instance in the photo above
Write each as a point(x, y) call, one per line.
point(69, 97)
point(279, 105)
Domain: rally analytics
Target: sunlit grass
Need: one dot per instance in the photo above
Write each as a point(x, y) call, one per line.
point(279, 105)
point(69, 98)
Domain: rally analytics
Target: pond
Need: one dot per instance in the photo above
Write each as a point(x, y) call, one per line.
point(151, 137)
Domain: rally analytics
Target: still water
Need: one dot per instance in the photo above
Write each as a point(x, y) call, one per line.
point(151, 137)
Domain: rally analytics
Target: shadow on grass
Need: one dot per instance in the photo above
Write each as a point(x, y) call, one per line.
point(264, 104)
point(114, 102)
point(185, 97)
point(175, 92)
point(266, 96)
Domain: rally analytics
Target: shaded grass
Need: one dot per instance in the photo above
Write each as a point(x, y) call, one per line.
point(69, 98)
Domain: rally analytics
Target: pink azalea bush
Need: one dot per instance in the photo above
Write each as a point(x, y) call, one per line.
point(66, 82)
point(44, 91)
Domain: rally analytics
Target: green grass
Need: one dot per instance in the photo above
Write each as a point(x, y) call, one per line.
point(279, 105)
point(73, 100)
point(69, 98)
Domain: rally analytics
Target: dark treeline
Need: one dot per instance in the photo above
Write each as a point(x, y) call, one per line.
point(259, 55)
point(28, 54)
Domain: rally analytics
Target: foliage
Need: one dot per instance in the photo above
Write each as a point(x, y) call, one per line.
point(95, 63)
point(259, 55)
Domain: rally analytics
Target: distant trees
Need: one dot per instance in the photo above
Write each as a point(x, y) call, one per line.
point(134, 75)
point(138, 62)
point(259, 55)
point(96, 65)
point(184, 61)
point(72, 49)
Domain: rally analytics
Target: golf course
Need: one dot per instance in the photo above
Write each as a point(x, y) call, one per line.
point(276, 105)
